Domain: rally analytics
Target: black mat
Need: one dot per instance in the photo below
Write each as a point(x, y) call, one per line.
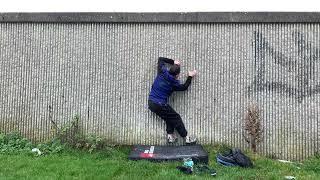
point(169, 153)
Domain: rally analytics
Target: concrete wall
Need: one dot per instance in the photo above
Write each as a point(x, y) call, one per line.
point(103, 72)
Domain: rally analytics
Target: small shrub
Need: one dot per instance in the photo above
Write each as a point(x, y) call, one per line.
point(69, 133)
point(252, 126)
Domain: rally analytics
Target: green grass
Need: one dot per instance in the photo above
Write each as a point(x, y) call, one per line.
point(113, 164)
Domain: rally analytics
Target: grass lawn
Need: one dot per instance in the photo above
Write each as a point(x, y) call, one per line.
point(113, 164)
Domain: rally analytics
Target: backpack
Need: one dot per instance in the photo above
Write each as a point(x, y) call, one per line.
point(234, 157)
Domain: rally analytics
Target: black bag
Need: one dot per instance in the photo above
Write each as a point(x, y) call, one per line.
point(241, 159)
point(234, 157)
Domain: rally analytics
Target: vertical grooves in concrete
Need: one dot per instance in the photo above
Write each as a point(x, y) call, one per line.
point(103, 72)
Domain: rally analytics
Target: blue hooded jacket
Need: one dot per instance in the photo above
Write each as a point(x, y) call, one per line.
point(165, 83)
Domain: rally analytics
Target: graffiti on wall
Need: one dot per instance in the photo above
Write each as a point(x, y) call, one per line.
point(302, 66)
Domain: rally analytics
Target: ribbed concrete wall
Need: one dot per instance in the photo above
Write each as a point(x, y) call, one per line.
point(103, 72)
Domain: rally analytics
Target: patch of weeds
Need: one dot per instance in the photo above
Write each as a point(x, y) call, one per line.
point(51, 147)
point(72, 136)
point(222, 147)
point(317, 155)
point(14, 143)
point(272, 156)
point(312, 164)
point(69, 133)
point(92, 143)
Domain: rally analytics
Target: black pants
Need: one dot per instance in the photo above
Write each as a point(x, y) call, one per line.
point(170, 116)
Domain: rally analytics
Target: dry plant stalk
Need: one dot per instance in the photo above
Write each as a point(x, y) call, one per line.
point(252, 126)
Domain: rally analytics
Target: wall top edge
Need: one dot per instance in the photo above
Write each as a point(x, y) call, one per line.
point(183, 17)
